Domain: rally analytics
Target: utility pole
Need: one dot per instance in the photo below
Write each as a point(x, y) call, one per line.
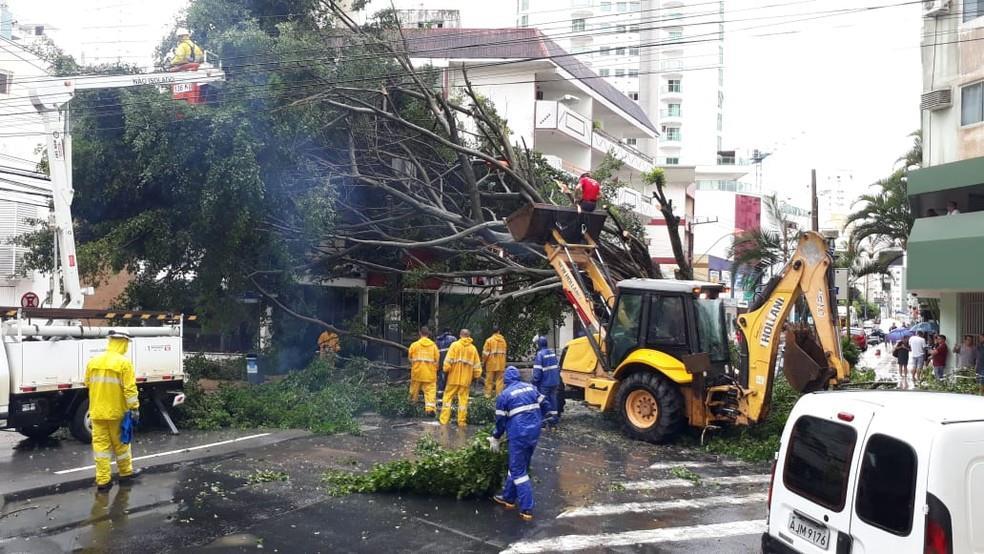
point(814, 204)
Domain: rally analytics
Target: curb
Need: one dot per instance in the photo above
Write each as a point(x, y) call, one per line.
point(54, 485)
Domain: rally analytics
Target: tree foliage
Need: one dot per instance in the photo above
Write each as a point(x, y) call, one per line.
point(324, 154)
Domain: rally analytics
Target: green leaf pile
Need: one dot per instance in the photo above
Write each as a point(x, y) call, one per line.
point(473, 470)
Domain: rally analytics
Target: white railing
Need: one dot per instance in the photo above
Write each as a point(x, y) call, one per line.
point(637, 202)
point(551, 114)
point(604, 142)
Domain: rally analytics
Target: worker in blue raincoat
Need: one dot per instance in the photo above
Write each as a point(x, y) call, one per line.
point(444, 341)
point(517, 415)
point(546, 377)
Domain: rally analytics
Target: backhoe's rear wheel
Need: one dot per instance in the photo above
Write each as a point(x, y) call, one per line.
point(651, 407)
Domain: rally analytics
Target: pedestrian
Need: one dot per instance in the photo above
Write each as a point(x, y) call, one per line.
point(424, 357)
point(980, 363)
point(917, 348)
point(112, 392)
point(587, 193)
point(461, 365)
point(494, 360)
point(901, 353)
point(966, 352)
point(517, 415)
point(939, 354)
point(951, 208)
point(328, 344)
point(444, 342)
point(546, 378)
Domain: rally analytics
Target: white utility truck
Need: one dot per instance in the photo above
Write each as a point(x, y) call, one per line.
point(49, 338)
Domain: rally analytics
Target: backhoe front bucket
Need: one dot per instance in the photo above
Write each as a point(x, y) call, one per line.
point(536, 223)
point(804, 362)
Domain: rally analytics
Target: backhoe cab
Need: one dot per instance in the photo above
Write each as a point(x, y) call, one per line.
point(663, 360)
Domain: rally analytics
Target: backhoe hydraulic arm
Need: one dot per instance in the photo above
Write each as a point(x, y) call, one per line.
point(808, 366)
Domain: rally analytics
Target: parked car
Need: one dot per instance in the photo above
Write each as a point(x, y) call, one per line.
point(875, 336)
point(879, 471)
point(859, 338)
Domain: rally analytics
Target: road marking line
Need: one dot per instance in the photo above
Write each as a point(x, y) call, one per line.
point(647, 536)
point(671, 465)
point(664, 505)
point(170, 452)
point(677, 483)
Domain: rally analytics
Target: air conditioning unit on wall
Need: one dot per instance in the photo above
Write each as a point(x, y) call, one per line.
point(933, 8)
point(936, 100)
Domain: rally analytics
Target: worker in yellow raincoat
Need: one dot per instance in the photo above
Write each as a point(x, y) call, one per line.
point(112, 391)
point(424, 356)
point(494, 360)
point(462, 365)
point(186, 51)
point(328, 343)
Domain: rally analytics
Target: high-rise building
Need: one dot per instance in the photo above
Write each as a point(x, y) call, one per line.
point(947, 194)
point(836, 193)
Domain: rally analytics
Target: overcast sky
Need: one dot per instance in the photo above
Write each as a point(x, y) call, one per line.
point(831, 92)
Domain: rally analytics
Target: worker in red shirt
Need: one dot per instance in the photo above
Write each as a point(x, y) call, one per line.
point(587, 193)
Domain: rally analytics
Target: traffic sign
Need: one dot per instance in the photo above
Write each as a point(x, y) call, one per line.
point(30, 300)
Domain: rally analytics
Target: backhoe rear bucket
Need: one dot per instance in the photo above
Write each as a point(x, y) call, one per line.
point(804, 362)
point(536, 223)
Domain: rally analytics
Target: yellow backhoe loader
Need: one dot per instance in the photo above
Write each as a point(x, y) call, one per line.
point(663, 358)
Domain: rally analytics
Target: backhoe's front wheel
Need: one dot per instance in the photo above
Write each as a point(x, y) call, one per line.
point(651, 407)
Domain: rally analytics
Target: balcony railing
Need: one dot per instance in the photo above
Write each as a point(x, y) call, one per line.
point(637, 202)
point(631, 156)
point(554, 115)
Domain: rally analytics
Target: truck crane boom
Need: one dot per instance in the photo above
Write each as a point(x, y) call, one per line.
point(51, 100)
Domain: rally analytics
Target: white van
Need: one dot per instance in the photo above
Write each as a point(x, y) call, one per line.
point(879, 472)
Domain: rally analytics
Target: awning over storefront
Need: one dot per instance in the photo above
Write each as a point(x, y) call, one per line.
point(946, 254)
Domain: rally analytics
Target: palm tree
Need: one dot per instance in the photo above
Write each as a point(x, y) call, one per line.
point(756, 252)
point(884, 216)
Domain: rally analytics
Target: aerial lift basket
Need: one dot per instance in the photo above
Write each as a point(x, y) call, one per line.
point(536, 222)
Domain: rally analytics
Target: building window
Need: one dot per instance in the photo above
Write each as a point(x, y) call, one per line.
point(633, 28)
point(620, 28)
point(620, 51)
point(605, 51)
point(672, 133)
point(631, 141)
point(5, 79)
point(633, 50)
point(720, 122)
point(634, 6)
point(620, 73)
point(672, 161)
point(972, 9)
point(633, 96)
point(675, 34)
point(674, 85)
point(720, 99)
point(721, 77)
point(577, 25)
point(524, 5)
point(604, 72)
point(673, 110)
point(721, 55)
point(972, 104)
point(524, 21)
point(606, 6)
point(622, 7)
point(633, 73)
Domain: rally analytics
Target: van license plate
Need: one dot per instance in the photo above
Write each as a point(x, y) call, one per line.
point(806, 529)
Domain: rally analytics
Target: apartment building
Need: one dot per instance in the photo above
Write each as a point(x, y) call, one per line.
point(944, 251)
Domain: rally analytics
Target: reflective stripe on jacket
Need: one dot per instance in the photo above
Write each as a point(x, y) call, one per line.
point(494, 353)
point(462, 363)
point(546, 369)
point(423, 356)
point(111, 382)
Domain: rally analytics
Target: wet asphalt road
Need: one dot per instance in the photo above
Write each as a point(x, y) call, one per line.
point(596, 492)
